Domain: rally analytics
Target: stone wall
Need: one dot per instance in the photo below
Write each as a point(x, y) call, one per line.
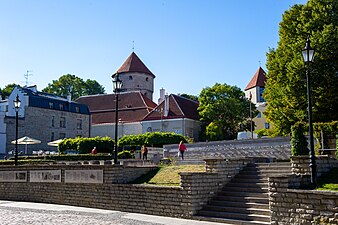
point(291, 205)
point(294, 206)
point(300, 164)
point(274, 148)
point(114, 194)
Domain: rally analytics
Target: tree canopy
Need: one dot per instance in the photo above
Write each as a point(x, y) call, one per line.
point(224, 110)
point(6, 91)
point(75, 86)
point(191, 97)
point(285, 90)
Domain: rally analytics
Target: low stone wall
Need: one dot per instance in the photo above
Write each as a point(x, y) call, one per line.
point(292, 206)
point(273, 148)
point(114, 194)
point(300, 164)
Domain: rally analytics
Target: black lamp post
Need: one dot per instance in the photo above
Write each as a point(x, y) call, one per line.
point(17, 104)
point(117, 84)
point(308, 55)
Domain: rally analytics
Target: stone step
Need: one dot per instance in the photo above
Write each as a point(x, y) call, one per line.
point(234, 215)
point(240, 188)
point(244, 194)
point(277, 171)
point(229, 221)
point(253, 177)
point(239, 204)
point(265, 212)
point(247, 199)
point(249, 185)
point(252, 181)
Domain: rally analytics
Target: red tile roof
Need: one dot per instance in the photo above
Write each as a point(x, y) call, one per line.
point(258, 79)
point(133, 107)
point(179, 107)
point(134, 64)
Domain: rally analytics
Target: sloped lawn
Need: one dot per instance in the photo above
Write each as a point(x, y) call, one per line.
point(168, 175)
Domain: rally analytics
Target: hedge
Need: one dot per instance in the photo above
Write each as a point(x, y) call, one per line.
point(154, 139)
point(85, 145)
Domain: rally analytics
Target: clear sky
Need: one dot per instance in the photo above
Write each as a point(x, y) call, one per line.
point(187, 44)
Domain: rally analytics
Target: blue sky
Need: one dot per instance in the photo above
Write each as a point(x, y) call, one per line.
point(187, 44)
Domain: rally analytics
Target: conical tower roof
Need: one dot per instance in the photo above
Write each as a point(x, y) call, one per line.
point(258, 80)
point(134, 64)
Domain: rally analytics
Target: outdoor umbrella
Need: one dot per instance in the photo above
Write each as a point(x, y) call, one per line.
point(55, 143)
point(27, 141)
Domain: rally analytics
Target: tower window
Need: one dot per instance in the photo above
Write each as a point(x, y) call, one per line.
point(130, 77)
point(147, 78)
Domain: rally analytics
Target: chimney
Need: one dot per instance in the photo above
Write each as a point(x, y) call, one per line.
point(162, 94)
point(166, 105)
point(69, 97)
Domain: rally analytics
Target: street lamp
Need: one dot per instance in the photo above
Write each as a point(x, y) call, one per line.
point(117, 84)
point(308, 55)
point(17, 104)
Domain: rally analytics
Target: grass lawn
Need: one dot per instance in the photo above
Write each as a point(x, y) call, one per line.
point(168, 175)
point(329, 182)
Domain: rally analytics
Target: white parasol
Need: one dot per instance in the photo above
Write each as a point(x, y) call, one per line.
point(55, 143)
point(27, 141)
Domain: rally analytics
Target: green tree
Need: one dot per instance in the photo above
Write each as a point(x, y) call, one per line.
point(223, 109)
point(7, 90)
point(74, 85)
point(285, 90)
point(191, 97)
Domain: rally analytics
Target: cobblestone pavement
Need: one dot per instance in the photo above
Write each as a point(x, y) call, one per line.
point(22, 213)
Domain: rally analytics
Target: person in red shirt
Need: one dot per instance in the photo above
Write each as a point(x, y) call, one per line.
point(182, 149)
point(94, 151)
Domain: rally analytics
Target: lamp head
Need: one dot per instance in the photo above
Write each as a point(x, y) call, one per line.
point(308, 52)
point(17, 102)
point(117, 83)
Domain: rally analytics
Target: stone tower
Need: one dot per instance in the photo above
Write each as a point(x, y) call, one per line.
point(135, 76)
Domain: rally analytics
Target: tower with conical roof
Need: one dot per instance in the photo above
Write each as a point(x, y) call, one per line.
point(254, 90)
point(136, 76)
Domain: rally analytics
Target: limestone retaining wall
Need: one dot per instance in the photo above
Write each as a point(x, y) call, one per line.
point(114, 194)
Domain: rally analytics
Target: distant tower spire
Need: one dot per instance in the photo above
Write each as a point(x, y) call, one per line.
point(133, 46)
point(259, 63)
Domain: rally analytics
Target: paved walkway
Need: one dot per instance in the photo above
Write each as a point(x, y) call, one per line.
point(39, 214)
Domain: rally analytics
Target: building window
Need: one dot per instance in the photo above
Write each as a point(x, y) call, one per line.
point(130, 77)
point(62, 122)
point(77, 109)
point(267, 125)
point(62, 135)
point(261, 90)
point(147, 78)
point(79, 124)
point(53, 121)
point(259, 115)
point(51, 105)
point(52, 136)
point(61, 107)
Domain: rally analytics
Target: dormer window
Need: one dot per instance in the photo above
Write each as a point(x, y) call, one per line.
point(51, 105)
point(77, 109)
point(61, 107)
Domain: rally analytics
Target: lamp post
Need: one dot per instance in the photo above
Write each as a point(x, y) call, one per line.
point(117, 84)
point(308, 55)
point(17, 104)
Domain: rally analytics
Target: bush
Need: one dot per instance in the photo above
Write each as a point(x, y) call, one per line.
point(85, 145)
point(125, 155)
point(298, 140)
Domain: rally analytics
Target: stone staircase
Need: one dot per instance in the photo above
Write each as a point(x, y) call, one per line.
point(244, 200)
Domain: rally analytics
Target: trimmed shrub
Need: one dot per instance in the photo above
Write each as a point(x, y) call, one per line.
point(85, 145)
point(125, 155)
point(298, 140)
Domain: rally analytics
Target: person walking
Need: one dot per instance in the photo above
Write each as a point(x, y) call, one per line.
point(94, 151)
point(144, 152)
point(182, 149)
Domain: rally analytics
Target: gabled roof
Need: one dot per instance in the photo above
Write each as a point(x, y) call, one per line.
point(258, 80)
point(134, 64)
point(133, 106)
point(43, 100)
point(179, 107)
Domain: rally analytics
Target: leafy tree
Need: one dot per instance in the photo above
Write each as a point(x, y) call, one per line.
point(191, 97)
point(298, 140)
point(224, 109)
point(74, 85)
point(285, 90)
point(6, 91)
